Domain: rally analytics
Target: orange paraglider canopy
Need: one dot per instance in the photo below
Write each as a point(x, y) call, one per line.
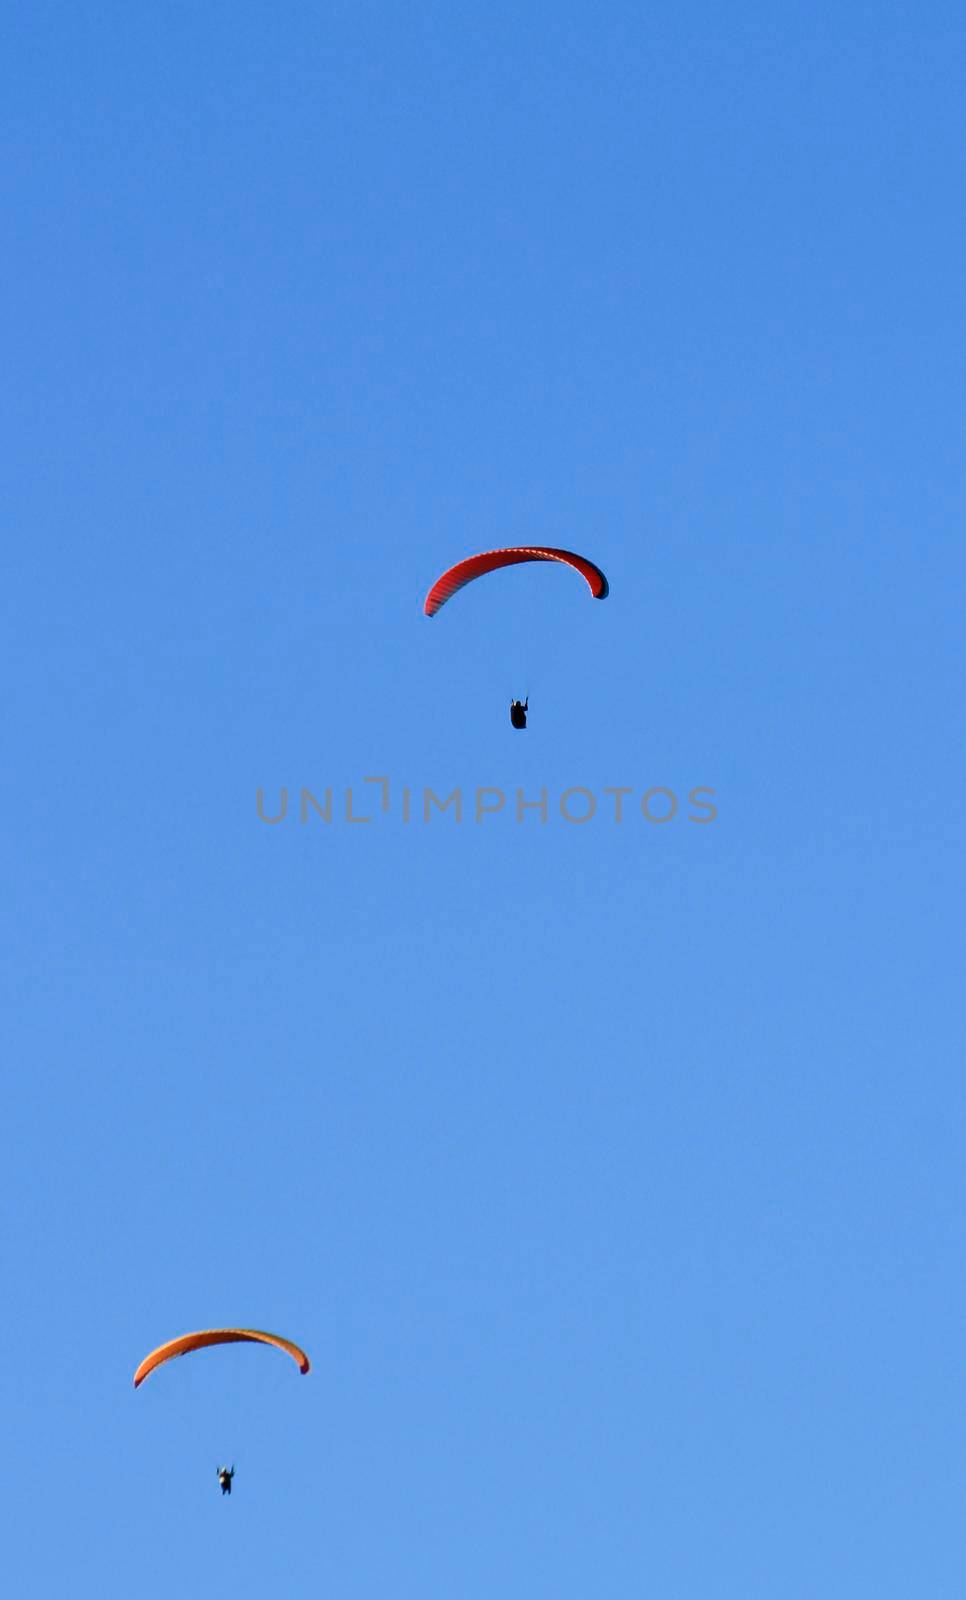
point(200, 1341)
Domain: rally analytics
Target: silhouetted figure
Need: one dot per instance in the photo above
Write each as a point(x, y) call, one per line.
point(224, 1478)
point(518, 712)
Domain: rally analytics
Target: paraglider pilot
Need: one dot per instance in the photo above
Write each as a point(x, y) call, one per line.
point(518, 712)
point(224, 1478)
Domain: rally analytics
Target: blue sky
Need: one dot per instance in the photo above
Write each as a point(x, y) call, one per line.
point(611, 1174)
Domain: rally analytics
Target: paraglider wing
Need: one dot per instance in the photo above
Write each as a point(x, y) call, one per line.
point(476, 566)
point(200, 1341)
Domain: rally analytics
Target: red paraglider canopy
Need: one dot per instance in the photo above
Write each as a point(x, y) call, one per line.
point(476, 566)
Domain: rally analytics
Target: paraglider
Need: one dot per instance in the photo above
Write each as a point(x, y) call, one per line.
point(200, 1341)
point(189, 1342)
point(464, 572)
point(473, 567)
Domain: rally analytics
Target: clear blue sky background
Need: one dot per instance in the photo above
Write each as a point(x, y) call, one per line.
point(611, 1174)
